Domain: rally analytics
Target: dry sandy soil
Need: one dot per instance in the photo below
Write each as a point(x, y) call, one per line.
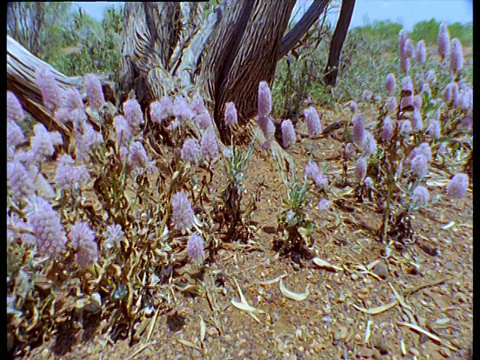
point(420, 296)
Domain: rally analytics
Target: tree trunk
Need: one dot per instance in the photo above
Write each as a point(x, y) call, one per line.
point(224, 60)
point(331, 70)
point(150, 35)
point(243, 53)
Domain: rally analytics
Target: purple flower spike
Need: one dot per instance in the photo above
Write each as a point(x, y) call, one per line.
point(73, 99)
point(288, 133)
point(455, 94)
point(321, 181)
point(369, 145)
point(359, 133)
point(443, 41)
point(466, 100)
point(91, 137)
point(402, 38)
point(209, 146)
point(52, 93)
point(313, 121)
point(15, 135)
point(231, 118)
point(133, 113)
point(63, 115)
point(406, 103)
point(323, 204)
point(204, 120)
point(405, 127)
point(447, 94)
point(161, 110)
point(83, 241)
point(70, 177)
point(44, 142)
point(433, 129)
point(123, 131)
point(423, 149)
point(421, 52)
point(181, 109)
point(361, 169)
point(78, 117)
point(267, 126)
point(19, 180)
point(94, 91)
point(457, 187)
point(14, 108)
point(407, 86)
point(418, 166)
point(158, 112)
point(420, 195)
point(190, 151)
point(409, 48)
point(311, 170)
point(391, 105)
point(137, 156)
point(197, 105)
point(46, 224)
point(264, 100)
point(417, 121)
point(404, 64)
point(390, 83)
point(417, 102)
point(137, 159)
point(195, 247)
point(182, 212)
point(387, 129)
point(113, 235)
point(353, 107)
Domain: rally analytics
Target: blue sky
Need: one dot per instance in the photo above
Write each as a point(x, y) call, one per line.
point(405, 12)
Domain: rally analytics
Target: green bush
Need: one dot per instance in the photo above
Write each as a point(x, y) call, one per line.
point(428, 31)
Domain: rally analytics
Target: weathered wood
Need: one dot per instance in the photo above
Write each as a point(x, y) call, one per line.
point(151, 33)
point(308, 19)
point(21, 72)
point(338, 38)
point(189, 61)
point(243, 53)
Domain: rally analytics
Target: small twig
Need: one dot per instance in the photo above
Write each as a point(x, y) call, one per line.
point(408, 292)
point(429, 334)
point(143, 347)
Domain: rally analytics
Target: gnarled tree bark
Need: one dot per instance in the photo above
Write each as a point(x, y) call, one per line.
point(238, 46)
point(244, 56)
